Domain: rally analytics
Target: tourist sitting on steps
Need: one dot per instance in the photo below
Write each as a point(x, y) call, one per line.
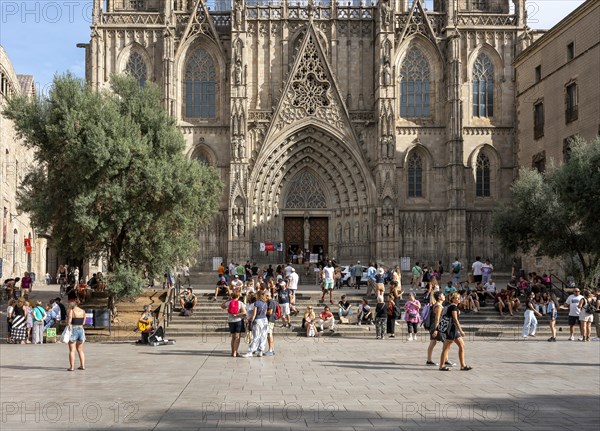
point(187, 302)
point(222, 287)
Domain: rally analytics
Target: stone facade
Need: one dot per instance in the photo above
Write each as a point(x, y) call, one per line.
point(16, 159)
point(557, 77)
point(347, 127)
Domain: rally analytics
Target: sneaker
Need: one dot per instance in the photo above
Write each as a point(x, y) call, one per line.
point(476, 310)
point(524, 336)
point(259, 354)
point(449, 364)
point(358, 323)
point(269, 353)
point(581, 339)
point(247, 355)
point(551, 339)
point(430, 363)
point(571, 338)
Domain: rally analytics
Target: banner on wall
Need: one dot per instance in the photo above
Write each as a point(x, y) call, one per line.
point(27, 242)
point(269, 246)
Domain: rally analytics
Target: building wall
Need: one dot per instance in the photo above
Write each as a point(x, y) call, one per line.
point(381, 221)
point(549, 52)
point(15, 159)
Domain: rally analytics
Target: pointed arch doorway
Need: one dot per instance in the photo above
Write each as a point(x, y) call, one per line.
point(306, 217)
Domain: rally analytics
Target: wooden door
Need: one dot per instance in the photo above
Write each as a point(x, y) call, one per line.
point(319, 234)
point(293, 232)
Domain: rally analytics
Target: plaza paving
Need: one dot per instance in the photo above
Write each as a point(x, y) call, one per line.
point(329, 383)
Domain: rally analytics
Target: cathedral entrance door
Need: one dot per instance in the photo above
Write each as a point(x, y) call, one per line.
point(318, 234)
point(293, 234)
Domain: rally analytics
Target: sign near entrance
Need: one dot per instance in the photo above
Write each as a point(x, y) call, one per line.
point(314, 258)
point(405, 264)
point(269, 246)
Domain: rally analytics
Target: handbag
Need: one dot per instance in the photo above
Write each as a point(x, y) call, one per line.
point(65, 337)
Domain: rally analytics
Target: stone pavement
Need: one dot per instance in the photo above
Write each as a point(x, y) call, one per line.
point(319, 384)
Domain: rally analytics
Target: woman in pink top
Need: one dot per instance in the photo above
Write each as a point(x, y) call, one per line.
point(412, 316)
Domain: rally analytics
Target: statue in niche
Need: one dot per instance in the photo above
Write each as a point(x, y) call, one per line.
point(356, 231)
point(235, 226)
point(239, 13)
point(338, 232)
point(347, 232)
point(241, 227)
point(306, 232)
point(386, 13)
point(237, 73)
point(387, 72)
point(391, 148)
point(240, 147)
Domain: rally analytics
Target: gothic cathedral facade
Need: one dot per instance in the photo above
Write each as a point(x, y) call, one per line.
point(367, 130)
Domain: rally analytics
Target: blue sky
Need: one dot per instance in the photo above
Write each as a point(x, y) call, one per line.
point(40, 36)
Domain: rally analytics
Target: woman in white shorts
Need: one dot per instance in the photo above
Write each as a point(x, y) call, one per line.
point(586, 315)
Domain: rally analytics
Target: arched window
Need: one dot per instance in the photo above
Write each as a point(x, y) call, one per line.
point(200, 78)
point(482, 176)
point(305, 192)
point(414, 85)
point(483, 87)
point(136, 67)
point(415, 176)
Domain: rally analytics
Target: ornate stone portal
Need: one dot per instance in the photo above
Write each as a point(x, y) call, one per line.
point(335, 125)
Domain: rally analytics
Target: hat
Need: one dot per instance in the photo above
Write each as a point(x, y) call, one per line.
point(381, 271)
point(293, 269)
point(358, 261)
point(236, 276)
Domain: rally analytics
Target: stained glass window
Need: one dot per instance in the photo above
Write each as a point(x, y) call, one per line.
point(483, 87)
point(415, 176)
point(305, 192)
point(200, 85)
point(136, 67)
point(414, 85)
point(482, 175)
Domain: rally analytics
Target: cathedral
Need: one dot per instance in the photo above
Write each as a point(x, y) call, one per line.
point(363, 129)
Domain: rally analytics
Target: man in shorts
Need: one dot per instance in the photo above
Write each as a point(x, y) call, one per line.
point(572, 303)
point(328, 282)
point(283, 296)
point(326, 319)
point(272, 318)
point(293, 280)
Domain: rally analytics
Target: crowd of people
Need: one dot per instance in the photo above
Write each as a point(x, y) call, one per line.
point(267, 297)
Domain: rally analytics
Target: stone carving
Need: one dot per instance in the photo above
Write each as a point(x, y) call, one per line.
point(237, 73)
point(238, 14)
point(239, 147)
point(387, 147)
point(310, 93)
point(305, 192)
point(386, 14)
point(387, 73)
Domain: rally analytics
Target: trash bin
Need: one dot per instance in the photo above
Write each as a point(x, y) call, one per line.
point(102, 317)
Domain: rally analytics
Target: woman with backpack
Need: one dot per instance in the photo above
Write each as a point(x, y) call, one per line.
point(586, 315)
point(450, 326)
point(236, 311)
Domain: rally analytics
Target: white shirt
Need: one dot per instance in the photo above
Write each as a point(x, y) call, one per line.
point(288, 271)
point(328, 270)
point(293, 277)
point(186, 271)
point(232, 269)
point(490, 287)
point(477, 265)
point(573, 301)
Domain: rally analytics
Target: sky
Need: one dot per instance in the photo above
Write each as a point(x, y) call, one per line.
point(40, 36)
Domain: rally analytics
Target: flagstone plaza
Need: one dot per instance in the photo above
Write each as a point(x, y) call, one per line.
point(327, 383)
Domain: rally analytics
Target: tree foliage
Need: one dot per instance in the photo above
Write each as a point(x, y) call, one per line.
point(111, 178)
point(557, 213)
